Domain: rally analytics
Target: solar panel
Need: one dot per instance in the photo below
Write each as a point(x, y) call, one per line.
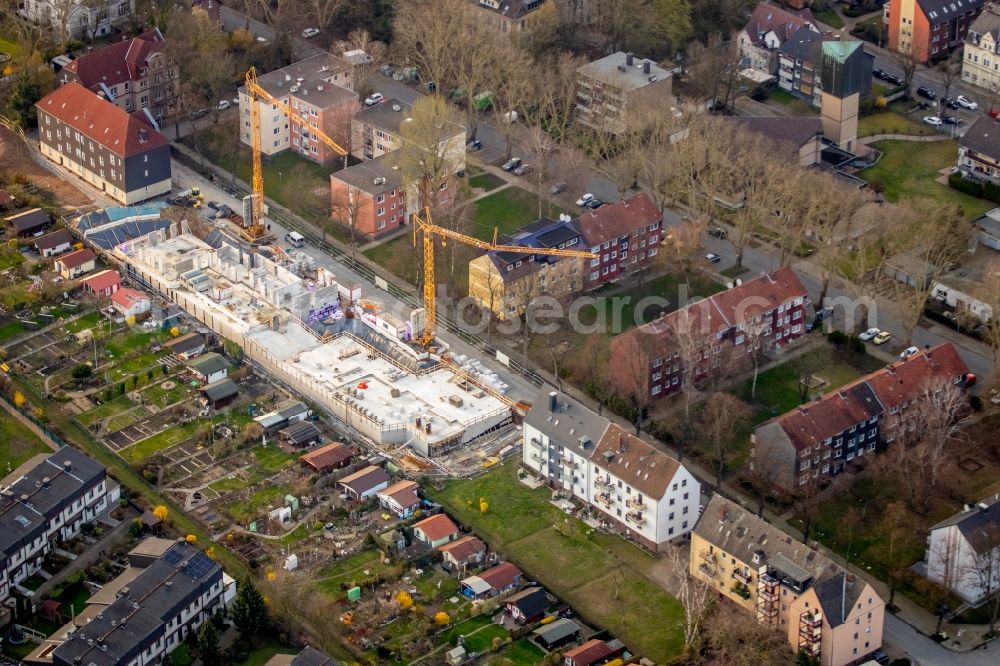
point(199, 565)
point(174, 555)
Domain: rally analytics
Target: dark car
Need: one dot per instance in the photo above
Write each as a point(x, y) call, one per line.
point(880, 656)
point(951, 120)
point(718, 232)
point(474, 145)
point(594, 204)
point(511, 164)
point(878, 73)
point(894, 80)
point(950, 102)
point(926, 93)
point(522, 170)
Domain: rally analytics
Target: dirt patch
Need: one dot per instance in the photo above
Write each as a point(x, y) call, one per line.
point(17, 157)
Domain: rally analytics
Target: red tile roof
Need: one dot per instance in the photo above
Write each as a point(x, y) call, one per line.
point(100, 120)
point(102, 280)
point(127, 297)
point(437, 527)
point(116, 62)
point(327, 456)
point(77, 258)
point(767, 17)
point(618, 219)
point(404, 493)
point(586, 654)
point(635, 462)
point(905, 380)
point(501, 576)
point(464, 548)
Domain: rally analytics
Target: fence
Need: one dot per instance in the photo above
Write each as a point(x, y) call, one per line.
point(54, 437)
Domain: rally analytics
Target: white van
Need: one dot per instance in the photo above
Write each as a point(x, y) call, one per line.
point(295, 239)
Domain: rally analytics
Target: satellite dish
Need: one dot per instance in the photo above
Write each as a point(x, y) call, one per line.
point(738, 282)
point(729, 285)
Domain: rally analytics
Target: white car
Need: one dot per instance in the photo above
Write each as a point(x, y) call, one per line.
point(869, 335)
point(713, 257)
point(223, 105)
point(908, 352)
point(309, 33)
point(374, 98)
point(582, 201)
point(933, 120)
point(966, 103)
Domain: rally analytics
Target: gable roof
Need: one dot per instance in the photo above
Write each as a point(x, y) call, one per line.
point(987, 23)
point(117, 62)
point(29, 219)
point(102, 279)
point(127, 297)
point(500, 576)
point(838, 595)
point(785, 134)
point(531, 601)
point(302, 432)
point(591, 651)
point(941, 11)
point(365, 479)
point(77, 258)
point(185, 342)
point(814, 422)
point(904, 380)
point(805, 44)
point(558, 630)
point(100, 120)
point(312, 657)
point(980, 525)
point(55, 239)
point(329, 455)
point(208, 364)
point(571, 424)
point(221, 389)
point(618, 219)
point(771, 18)
point(635, 461)
point(404, 493)
point(464, 548)
point(437, 527)
point(983, 136)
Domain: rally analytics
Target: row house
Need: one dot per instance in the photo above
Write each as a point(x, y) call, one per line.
point(320, 92)
point(625, 237)
point(79, 19)
point(822, 437)
point(831, 615)
point(981, 56)
point(133, 74)
point(46, 505)
point(929, 30)
point(153, 613)
point(767, 311)
point(963, 552)
point(767, 30)
point(635, 488)
point(979, 151)
point(620, 85)
point(100, 143)
point(505, 282)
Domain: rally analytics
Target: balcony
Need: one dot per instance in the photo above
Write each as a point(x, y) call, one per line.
point(742, 576)
point(569, 462)
point(634, 502)
point(603, 483)
point(636, 518)
point(707, 569)
point(605, 499)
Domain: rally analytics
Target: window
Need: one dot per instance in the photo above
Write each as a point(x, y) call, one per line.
point(380, 198)
point(684, 525)
point(380, 211)
point(684, 483)
point(671, 501)
point(670, 516)
point(686, 495)
point(652, 251)
point(656, 390)
point(594, 275)
point(381, 224)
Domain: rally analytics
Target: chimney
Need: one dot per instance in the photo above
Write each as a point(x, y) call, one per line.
point(553, 401)
point(629, 60)
point(645, 66)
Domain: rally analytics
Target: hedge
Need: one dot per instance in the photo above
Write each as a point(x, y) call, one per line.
point(974, 188)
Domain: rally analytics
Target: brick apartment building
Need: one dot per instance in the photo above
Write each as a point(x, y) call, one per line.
point(929, 29)
point(625, 235)
point(649, 358)
point(823, 437)
point(370, 196)
point(133, 74)
point(104, 145)
point(833, 616)
point(319, 91)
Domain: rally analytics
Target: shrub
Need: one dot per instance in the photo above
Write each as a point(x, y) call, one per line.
point(838, 338)
point(976, 403)
point(856, 345)
point(82, 371)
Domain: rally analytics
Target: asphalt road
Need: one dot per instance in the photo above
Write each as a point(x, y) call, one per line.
point(905, 641)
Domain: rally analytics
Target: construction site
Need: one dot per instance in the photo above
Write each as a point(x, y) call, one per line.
point(414, 403)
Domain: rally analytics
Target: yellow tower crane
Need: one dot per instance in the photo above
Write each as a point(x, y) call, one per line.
point(254, 227)
point(423, 223)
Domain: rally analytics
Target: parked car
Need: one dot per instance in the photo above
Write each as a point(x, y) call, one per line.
point(967, 103)
point(431, 86)
point(882, 338)
point(908, 352)
point(582, 201)
point(718, 232)
point(926, 93)
point(713, 257)
point(951, 120)
point(309, 33)
point(374, 98)
point(951, 103)
point(878, 74)
point(198, 114)
point(511, 164)
point(893, 79)
point(474, 145)
point(522, 170)
point(594, 204)
point(880, 656)
point(869, 335)
point(387, 70)
point(933, 121)
point(558, 188)
point(223, 105)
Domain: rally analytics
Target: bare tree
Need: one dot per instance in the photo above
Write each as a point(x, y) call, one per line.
point(989, 294)
point(541, 147)
point(983, 570)
point(632, 372)
point(757, 335)
point(900, 532)
point(735, 638)
point(345, 209)
point(712, 70)
point(430, 154)
point(322, 12)
point(513, 88)
point(694, 595)
point(805, 500)
point(947, 70)
point(721, 416)
point(363, 71)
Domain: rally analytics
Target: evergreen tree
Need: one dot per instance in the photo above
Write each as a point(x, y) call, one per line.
point(249, 613)
point(208, 645)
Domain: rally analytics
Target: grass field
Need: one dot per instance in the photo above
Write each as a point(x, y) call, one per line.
point(482, 640)
point(670, 288)
point(10, 330)
point(831, 18)
point(273, 459)
point(263, 654)
point(120, 404)
point(86, 321)
point(244, 511)
point(584, 571)
point(892, 123)
point(161, 397)
point(486, 181)
point(17, 443)
point(350, 570)
point(508, 210)
point(523, 652)
point(908, 170)
point(160, 441)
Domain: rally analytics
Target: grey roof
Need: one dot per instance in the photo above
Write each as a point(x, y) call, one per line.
point(837, 596)
point(532, 601)
point(385, 116)
point(742, 534)
point(301, 432)
point(364, 176)
point(558, 630)
point(207, 364)
point(185, 343)
point(805, 44)
point(781, 130)
point(289, 408)
point(568, 424)
point(313, 75)
point(365, 479)
point(312, 657)
point(983, 137)
point(990, 223)
point(55, 239)
point(220, 390)
point(940, 11)
point(980, 526)
point(988, 22)
point(29, 219)
point(606, 70)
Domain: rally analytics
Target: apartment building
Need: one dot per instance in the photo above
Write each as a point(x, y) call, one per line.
point(45, 502)
point(618, 86)
point(133, 74)
point(826, 435)
point(929, 29)
point(151, 614)
point(505, 282)
point(800, 66)
point(767, 30)
point(625, 236)
point(319, 91)
point(636, 488)
point(979, 150)
point(833, 616)
point(717, 331)
point(102, 144)
point(376, 131)
point(506, 15)
point(963, 552)
point(79, 19)
point(981, 59)
point(369, 197)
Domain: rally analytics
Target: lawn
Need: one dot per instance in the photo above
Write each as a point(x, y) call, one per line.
point(908, 171)
point(162, 440)
point(263, 654)
point(670, 287)
point(831, 18)
point(120, 404)
point(11, 48)
point(523, 652)
point(576, 566)
point(482, 640)
point(86, 321)
point(10, 329)
point(244, 511)
point(508, 210)
point(126, 342)
point(17, 443)
point(465, 628)
point(892, 123)
point(228, 485)
point(350, 570)
point(161, 397)
point(782, 96)
point(273, 459)
point(486, 181)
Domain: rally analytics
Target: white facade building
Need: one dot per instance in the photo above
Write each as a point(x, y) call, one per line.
point(963, 552)
point(79, 19)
